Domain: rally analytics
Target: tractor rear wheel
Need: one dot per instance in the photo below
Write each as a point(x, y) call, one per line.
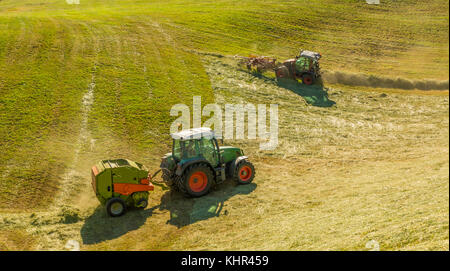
point(307, 79)
point(245, 172)
point(196, 180)
point(282, 72)
point(116, 207)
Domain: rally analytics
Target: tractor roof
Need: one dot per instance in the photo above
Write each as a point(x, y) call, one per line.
point(311, 54)
point(194, 133)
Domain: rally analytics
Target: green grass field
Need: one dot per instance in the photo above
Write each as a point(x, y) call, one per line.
point(80, 83)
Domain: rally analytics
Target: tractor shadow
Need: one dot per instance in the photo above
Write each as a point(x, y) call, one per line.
point(101, 227)
point(186, 211)
point(315, 95)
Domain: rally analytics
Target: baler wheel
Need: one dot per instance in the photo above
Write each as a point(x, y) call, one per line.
point(142, 203)
point(116, 207)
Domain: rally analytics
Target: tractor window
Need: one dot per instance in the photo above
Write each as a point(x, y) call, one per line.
point(177, 149)
point(184, 149)
point(302, 64)
point(189, 150)
point(208, 150)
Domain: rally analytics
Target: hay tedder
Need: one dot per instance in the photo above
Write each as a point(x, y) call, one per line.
point(305, 66)
point(258, 63)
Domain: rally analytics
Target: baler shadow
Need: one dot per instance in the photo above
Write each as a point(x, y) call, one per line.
point(101, 227)
point(186, 211)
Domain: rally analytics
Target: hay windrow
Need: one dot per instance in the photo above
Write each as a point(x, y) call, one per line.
point(359, 79)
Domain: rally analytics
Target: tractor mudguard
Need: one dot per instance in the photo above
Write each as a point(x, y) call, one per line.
point(236, 162)
point(180, 169)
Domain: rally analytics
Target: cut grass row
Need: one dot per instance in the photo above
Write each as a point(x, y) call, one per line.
point(41, 84)
point(352, 35)
point(47, 67)
point(372, 167)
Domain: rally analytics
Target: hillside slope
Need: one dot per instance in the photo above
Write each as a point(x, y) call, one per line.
point(80, 83)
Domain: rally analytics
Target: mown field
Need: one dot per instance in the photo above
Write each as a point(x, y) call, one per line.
point(80, 83)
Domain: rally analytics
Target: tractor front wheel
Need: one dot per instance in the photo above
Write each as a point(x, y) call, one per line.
point(116, 207)
point(198, 179)
point(245, 172)
point(307, 79)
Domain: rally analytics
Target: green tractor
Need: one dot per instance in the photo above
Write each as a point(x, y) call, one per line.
point(197, 163)
point(304, 67)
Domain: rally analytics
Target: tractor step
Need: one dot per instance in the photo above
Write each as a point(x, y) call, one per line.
point(220, 172)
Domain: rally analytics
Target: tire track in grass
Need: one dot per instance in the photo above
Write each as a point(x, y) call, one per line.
point(155, 51)
point(169, 61)
point(52, 112)
point(67, 183)
point(12, 53)
point(168, 38)
point(32, 105)
point(70, 183)
point(149, 41)
point(148, 58)
point(142, 49)
point(152, 55)
point(84, 135)
point(76, 188)
point(50, 225)
point(17, 54)
point(61, 226)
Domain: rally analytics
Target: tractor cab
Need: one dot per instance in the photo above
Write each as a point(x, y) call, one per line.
point(307, 61)
point(196, 143)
